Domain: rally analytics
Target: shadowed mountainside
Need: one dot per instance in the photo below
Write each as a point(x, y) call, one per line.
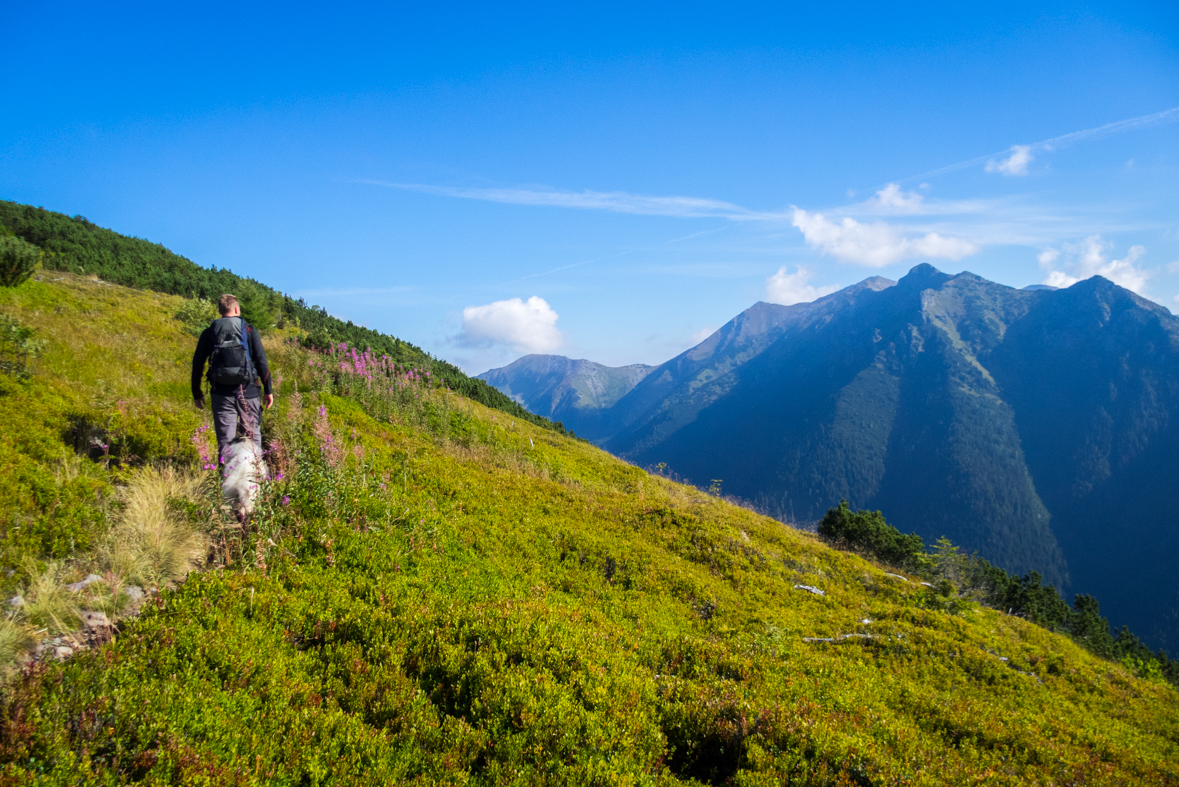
point(1035, 425)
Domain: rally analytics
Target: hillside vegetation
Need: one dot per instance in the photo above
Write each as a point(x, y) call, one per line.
point(76, 245)
point(438, 592)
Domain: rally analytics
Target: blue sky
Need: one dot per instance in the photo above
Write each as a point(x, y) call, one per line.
point(610, 182)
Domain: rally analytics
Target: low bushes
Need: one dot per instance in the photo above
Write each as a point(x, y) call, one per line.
point(868, 531)
point(971, 578)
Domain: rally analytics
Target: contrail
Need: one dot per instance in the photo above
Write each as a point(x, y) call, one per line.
point(612, 201)
point(698, 207)
point(1158, 118)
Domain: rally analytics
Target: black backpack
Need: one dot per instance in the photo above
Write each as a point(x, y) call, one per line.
point(230, 363)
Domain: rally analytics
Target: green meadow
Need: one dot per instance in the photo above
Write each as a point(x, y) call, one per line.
point(435, 592)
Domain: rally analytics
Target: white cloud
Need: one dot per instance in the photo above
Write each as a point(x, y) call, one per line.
point(876, 244)
point(1089, 258)
point(1173, 267)
point(790, 288)
point(1117, 127)
point(1015, 164)
point(1047, 257)
point(526, 326)
point(891, 199)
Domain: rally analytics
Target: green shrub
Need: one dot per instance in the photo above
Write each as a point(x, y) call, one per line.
point(18, 260)
point(196, 314)
point(18, 346)
point(868, 532)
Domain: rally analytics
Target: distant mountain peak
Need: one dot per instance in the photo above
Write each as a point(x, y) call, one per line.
point(570, 390)
point(875, 283)
point(924, 276)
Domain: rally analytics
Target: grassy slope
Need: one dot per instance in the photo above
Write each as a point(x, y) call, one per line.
point(473, 599)
point(75, 245)
point(115, 364)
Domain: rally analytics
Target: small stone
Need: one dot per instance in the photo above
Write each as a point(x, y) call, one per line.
point(89, 580)
point(95, 620)
point(134, 592)
point(895, 576)
point(16, 601)
point(63, 652)
point(810, 589)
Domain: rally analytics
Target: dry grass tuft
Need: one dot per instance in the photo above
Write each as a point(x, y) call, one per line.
point(15, 638)
point(49, 604)
point(153, 542)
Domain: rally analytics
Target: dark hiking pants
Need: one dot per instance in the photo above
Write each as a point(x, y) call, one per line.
point(227, 421)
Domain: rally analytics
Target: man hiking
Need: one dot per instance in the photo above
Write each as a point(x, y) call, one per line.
point(236, 360)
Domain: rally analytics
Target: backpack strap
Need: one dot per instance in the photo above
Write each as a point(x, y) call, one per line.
point(253, 371)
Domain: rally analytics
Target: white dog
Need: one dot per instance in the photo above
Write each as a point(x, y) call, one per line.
point(244, 471)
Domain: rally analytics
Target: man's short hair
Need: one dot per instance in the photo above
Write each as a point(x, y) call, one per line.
point(225, 304)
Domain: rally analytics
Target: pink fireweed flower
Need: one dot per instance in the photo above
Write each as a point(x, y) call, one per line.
point(328, 445)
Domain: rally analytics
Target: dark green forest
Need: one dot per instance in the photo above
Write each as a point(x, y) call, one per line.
point(76, 245)
point(955, 577)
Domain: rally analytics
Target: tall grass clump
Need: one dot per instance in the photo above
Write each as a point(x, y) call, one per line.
point(48, 603)
point(155, 540)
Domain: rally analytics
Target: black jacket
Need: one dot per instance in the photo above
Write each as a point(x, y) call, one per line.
point(204, 349)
